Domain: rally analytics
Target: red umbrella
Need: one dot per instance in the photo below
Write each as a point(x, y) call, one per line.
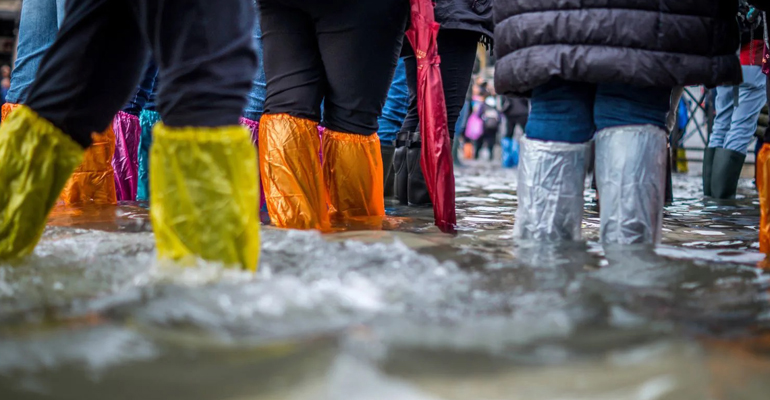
point(436, 148)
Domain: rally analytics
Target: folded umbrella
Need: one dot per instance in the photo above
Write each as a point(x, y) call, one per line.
point(436, 159)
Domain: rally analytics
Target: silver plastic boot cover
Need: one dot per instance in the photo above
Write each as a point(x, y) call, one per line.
point(631, 177)
point(551, 179)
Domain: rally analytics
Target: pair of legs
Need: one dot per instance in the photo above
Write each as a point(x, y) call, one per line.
point(457, 49)
point(342, 53)
point(629, 124)
point(128, 139)
point(738, 110)
point(204, 192)
point(489, 139)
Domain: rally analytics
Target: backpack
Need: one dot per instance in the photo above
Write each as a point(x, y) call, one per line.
point(490, 116)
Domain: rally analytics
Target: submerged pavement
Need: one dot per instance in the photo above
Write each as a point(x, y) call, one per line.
point(402, 313)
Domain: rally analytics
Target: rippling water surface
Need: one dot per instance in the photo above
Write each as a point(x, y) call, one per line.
point(402, 313)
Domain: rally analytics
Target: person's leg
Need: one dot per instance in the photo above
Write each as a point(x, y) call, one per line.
point(204, 193)
point(552, 165)
point(724, 103)
point(255, 104)
point(393, 114)
point(360, 42)
point(288, 134)
point(38, 26)
point(148, 117)
point(66, 103)
point(457, 49)
point(728, 160)
point(631, 159)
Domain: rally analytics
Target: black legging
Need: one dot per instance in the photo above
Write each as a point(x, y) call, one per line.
point(341, 52)
point(203, 48)
point(457, 49)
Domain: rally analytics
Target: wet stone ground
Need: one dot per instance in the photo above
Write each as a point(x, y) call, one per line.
point(402, 313)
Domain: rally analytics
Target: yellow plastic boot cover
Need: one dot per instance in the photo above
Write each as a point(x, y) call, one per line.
point(36, 159)
point(353, 175)
point(204, 195)
point(94, 179)
point(763, 186)
point(291, 172)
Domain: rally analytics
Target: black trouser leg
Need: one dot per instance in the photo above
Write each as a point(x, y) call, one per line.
point(458, 54)
point(293, 67)
point(205, 56)
point(91, 69)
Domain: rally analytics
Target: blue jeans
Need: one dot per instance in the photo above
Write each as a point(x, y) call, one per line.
point(734, 127)
point(39, 24)
point(573, 111)
point(145, 94)
point(396, 106)
point(255, 105)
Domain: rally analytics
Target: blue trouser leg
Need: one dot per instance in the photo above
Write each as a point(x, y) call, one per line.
point(562, 111)
point(38, 26)
point(752, 97)
point(144, 92)
point(396, 107)
point(724, 103)
point(255, 104)
point(620, 105)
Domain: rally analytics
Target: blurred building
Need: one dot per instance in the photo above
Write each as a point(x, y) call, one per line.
point(9, 21)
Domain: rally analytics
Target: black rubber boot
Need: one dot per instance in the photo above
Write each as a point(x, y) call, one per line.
point(400, 174)
point(725, 172)
point(418, 189)
point(388, 174)
point(708, 162)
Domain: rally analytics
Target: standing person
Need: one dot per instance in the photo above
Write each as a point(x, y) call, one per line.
point(605, 71)
point(344, 53)
point(492, 119)
point(738, 110)
point(204, 184)
point(463, 25)
point(92, 181)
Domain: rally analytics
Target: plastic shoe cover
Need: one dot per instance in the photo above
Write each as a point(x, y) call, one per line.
point(353, 175)
point(93, 180)
point(763, 186)
point(36, 159)
point(551, 180)
point(291, 172)
point(204, 195)
point(631, 177)
point(7, 109)
point(253, 127)
point(125, 162)
point(147, 120)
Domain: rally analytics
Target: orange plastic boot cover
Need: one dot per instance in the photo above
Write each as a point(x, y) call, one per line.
point(763, 185)
point(291, 172)
point(353, 175)
point(94, 180)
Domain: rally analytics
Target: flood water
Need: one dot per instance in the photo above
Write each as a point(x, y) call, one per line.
point(404, 313)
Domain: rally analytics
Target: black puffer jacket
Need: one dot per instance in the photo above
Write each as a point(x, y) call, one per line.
point(662, 43)
point(469, 15)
